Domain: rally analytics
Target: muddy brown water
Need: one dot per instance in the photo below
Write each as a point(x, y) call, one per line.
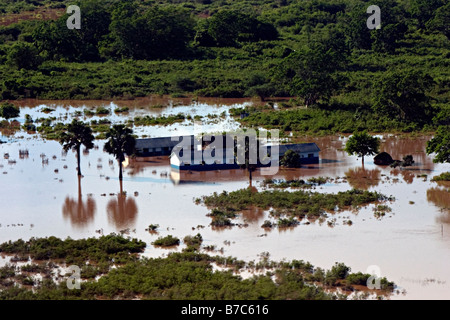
point(41, 196)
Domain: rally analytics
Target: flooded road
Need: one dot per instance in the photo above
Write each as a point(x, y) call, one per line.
point(41, 195)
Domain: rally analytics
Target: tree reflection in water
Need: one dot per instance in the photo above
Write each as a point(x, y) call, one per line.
point(440, 197)
point(253, 214)
point(360, 178)
point(79, 213)
point(407, 175)
point(122, 211)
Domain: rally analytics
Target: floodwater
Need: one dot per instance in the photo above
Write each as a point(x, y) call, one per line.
point(41, 195)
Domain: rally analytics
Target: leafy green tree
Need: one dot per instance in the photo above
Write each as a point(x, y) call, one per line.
point(440, 21)
point(424, 10)
point(228, 27)
point(393, 27)
point(311, 73)
point(440, 144)
point(9, 111)
point(290, 159)
point(23, 55)
point(358, 35)
point(157, 33)
point(120, 142)
point(340, 270)
point(362, 144)
point(385, 39)
point(77, 134)
point(403, 95)
point(59, 42)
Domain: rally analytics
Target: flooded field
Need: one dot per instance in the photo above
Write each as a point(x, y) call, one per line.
point(42, 196)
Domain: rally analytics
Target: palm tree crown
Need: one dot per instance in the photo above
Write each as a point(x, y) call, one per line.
point(120, 142)
point(77, 134)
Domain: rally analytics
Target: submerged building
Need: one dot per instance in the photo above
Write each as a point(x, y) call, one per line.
point(308, 152)
point(203, 159)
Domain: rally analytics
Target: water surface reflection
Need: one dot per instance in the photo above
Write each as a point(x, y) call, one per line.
point(361, 178)
point(80, 213)
point(122, 211)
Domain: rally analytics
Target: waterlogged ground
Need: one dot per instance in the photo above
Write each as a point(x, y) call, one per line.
point(41, 196)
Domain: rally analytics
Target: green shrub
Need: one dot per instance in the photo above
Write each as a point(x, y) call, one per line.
point(166, 241)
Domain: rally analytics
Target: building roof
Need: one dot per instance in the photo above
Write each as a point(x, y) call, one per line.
point(299, 148)
point(162, 142)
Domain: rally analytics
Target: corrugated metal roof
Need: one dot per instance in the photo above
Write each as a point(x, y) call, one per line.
point(161, 142)
point(299, 148)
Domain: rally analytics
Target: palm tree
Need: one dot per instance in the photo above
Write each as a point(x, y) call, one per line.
point(120, 141)
point(250, 150)
point(77, 134)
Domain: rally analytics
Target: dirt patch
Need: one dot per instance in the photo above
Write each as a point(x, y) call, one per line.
point(38, 14)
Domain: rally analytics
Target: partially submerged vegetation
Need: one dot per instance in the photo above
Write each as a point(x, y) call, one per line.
point(295, 205)
point(444, 176)
point(296, 183)
point(96, 250)
point(167, 241)
point(181, 275)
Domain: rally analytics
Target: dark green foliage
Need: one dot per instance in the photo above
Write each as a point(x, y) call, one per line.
point(56, 41)
point(311, 72)
point(8, 111)
point(102, 111)
point(440, 144)
point(444, 176)
point(424, 10)
point(23, 55)
point(290, 159)
point(440, 20)
point(120, 142)
point(95, 250)
point(362, 144)
point(156, 33)
point(403, 95)
point(311, 182)
point(153, 227)
point(184, 275)
point(158, 121)
point(227, 28)
point(337, 62)
point(77, 134)
point(287, 222)
point(340, 271)
point(193, 242)
point(166, 241)
point(267, 224)
point(296, 203)
point(121, 109)
point(358, 278)
point(407, 161)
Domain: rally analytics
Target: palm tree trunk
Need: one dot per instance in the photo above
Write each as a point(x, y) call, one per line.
point(79, 160)
point(121, 187)
point(120, 171)
point(250, 177)
point(79, 190)
point(363, 161)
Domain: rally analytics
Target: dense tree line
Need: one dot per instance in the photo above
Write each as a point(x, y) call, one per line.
point(320, 51)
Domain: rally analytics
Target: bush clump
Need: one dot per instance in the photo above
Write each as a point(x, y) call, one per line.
point(167, 241)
